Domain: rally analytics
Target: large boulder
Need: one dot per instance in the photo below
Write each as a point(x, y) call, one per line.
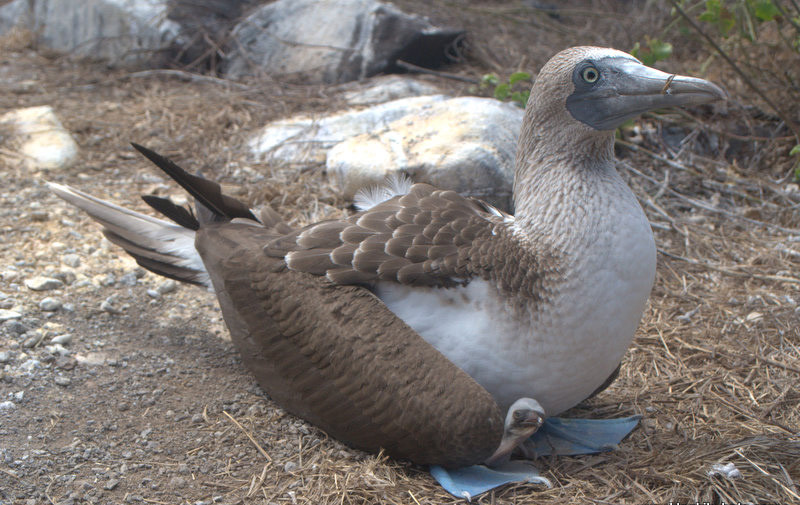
point(466, 144)
point(333, 42)
point(127, 32)
point(304, 140)
point(123, 32)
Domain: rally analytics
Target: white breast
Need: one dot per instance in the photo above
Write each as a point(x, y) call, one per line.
point(564, 350)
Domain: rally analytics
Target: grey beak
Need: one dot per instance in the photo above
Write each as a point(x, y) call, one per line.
point(628, 88)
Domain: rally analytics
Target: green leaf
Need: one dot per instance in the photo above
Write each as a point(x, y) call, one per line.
point(718, 15)
point(519, 76)
point(765, 10)
point(795, 150)
point(489, 80)
point(661, 50)
point(520, 98)
point(502, 91)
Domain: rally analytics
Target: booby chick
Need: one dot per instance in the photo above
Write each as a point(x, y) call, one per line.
point(540, 304)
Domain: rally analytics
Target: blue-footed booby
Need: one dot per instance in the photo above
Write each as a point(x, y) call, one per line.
point(413, 324)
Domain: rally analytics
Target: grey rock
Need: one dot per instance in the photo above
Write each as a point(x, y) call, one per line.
point(40, 283)
point(50, 304)
point(152, 293)
point(6, 315)
point(302, 140)
point(71, 260)
point(7, 405)
point(111, 484)
point(62, 381)
point(121, 32)
point(386, 88)
point(332, 42)
point(30, 365)
point(108, 306)
point(128, 279)
point(465, 144)
point(5, 357)
point(14, 326)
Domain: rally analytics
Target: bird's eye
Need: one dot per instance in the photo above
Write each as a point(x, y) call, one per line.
point(517, 415)
point(590, 74)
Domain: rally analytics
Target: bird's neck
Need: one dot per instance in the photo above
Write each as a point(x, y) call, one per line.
point(560, 179)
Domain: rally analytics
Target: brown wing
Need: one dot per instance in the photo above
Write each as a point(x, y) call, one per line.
point(338, 357)
point(426, 237)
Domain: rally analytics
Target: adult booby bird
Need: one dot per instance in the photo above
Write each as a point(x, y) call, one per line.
point(539, 304)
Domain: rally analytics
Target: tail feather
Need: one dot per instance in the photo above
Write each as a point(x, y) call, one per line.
point(157, 245)
point(207, 193)
point(177, 213)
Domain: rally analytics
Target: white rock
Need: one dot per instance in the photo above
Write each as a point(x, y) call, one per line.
point(39, 283)
point(64, 339)
point(50, 304)
point(303, 139)
point(39, 138)
point(167, 286)
point(332, 42)
point(465, 144)
point(386, 88)
point(30, 365)
point(6, 315)
point(123, 32)
point(7, 405)
point(57, 349)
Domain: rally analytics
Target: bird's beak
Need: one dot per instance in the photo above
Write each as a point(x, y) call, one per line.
point(630, 88)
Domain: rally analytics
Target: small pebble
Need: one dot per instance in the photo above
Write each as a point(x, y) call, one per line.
point(64, 339)
point(50, 304)
point(7, 405)
point(167, 286)
point(71, 260)
point(108, 306)
point(39, 216)
point(6, 315)
point(30, 365)
point(5, 356)
point(62, 381)
point(57, 349)
point(110, 485)
point(128, 279)
point(16, 328)
point(197, 418)
point(31, 341)
point(19, 395)
point(152, 293)
point(290, 466)
point(39, 283)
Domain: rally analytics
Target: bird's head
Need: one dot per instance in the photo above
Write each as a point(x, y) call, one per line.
point(593, 89)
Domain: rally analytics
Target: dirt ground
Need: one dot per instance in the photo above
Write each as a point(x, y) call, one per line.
point(146, 401)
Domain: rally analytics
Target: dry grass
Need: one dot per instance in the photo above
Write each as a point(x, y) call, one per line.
point(716, 362)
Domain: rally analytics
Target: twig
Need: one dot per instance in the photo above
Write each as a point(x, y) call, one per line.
point(792, 126)
point(727, 271)
point(180, 74)
point(260, 449)
point(184, 76)
point(703, 206)
point(422, 70)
